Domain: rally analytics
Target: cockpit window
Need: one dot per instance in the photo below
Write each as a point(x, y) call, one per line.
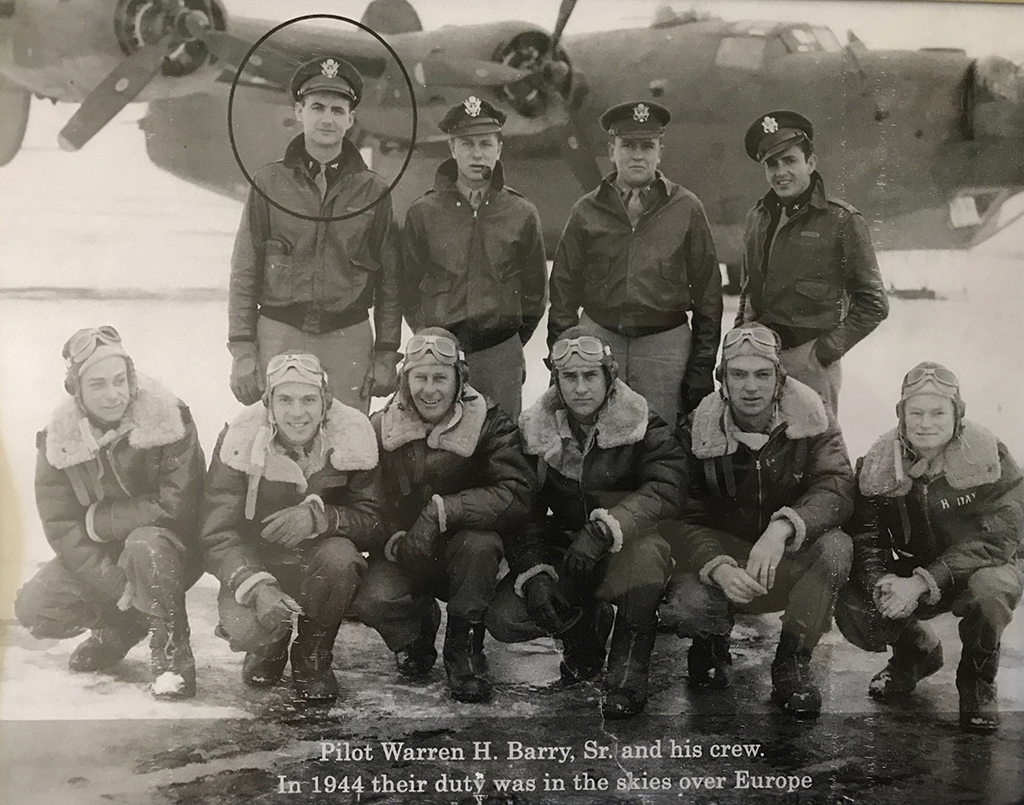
point(742, 52)
point(801, 39)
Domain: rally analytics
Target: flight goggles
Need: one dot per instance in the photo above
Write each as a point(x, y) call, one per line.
point(84, 343)
point(307, 366)
point(588, 347)
point(763, 340)
point(443, 348)
point(920, 375)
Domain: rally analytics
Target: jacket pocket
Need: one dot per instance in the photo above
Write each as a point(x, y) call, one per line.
point(818, 300)
point(278, 275)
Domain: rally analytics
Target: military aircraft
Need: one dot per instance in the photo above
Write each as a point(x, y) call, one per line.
point(928, 144)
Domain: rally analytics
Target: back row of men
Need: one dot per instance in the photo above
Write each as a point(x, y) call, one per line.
point(610, 519)
point(318, 248)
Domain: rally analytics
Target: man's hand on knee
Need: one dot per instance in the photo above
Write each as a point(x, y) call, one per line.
point(272, 605)
point(737, 584)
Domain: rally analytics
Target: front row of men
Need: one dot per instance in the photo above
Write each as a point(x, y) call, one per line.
point(609, 520)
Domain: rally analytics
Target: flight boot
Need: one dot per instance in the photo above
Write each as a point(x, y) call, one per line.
point(793, 687)
point(464, 661)
point(264, 667)
point(916, 653)
point(976, 680)
point(708, 662)
point(584, 644)
point(415, 660)
point(108, 645)
point(171, 660)
point(312, 655)
point(629, 662)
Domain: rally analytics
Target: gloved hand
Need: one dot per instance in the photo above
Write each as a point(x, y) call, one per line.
point(382, 378)
point(694, 391)
point(589, 544)
point(288, 527)
point(274, 609)
point(247, 381)
point(420, 541)
point(547, 606)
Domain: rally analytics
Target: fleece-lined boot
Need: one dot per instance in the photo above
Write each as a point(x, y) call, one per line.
point(793, 687)
point(264, 667)
point(584, 644)
point(171, 660)
point(629, 662)
point(415, 660)
point(916, 653)
point(312, 657)
point(107, 646)
point(708, 662)
point(464, 661)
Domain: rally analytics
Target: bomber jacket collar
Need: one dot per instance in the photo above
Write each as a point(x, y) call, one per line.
point(153, 419)
point(622, 421)
point(295, 157)
point(347, 435)
point(801, 411)
point(818, 198)
point(400, 424)
point(608, 192)
point(971, 459)
point(448, 172)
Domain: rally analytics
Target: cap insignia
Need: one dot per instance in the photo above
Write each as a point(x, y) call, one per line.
point(329, 68)
point(472, 105)
point(641, 112)
point(770, 125)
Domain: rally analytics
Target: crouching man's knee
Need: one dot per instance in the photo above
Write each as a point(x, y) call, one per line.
point(692, 608)
point(240, 626)
point(995, 591)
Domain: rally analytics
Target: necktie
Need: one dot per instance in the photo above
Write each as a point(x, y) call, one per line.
point(476, 198)
point(321, 180)
point(634, 206)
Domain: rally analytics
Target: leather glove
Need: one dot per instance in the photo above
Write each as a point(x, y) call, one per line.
point(274, 609)
point(288, 527)
point(550, 610)
point(420, 541)
point(589, 544)
point(694, 392)
point(247, 382)
point(382, 379)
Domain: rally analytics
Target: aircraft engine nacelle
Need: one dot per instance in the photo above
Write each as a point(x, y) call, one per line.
point(994, 99)
point(138, 23)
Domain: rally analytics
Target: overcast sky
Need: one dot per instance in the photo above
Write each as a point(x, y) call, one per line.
point(979, 28)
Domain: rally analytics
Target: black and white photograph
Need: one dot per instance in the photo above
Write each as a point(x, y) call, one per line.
point(444, 403)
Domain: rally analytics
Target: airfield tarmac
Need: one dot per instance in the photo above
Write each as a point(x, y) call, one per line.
point(68, 738)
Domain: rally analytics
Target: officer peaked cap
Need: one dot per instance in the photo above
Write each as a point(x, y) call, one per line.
point(636, 119)
point(328, 74)
point(472, 116)
point(775, 132)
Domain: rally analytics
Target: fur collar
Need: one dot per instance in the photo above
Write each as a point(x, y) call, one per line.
point(971, 459)
point(400, 424)
point(153, 419)
point(347, 434)
point(800, 408)
point(623, 420)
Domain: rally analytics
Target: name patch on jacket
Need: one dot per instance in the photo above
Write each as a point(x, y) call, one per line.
point(962, 500)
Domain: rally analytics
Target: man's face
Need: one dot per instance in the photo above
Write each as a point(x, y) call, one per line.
point(929, 421)
point(583, 385)
point(432, 388)
point(326, 117)
point(105, 392)
point(750, 382)
point(298, 410)
point(476, 155)
point(636, 159)
point(789, 172)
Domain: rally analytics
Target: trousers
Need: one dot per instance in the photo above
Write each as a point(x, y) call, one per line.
point(807, 584)
point(399, 602)
point(56, 604)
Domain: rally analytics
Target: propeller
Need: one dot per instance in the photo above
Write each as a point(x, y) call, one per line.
point(172, 26)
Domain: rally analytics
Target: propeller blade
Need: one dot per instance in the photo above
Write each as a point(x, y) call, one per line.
point(564, 12)
point(112, 94)
point(576, 147)
point(470, 73)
